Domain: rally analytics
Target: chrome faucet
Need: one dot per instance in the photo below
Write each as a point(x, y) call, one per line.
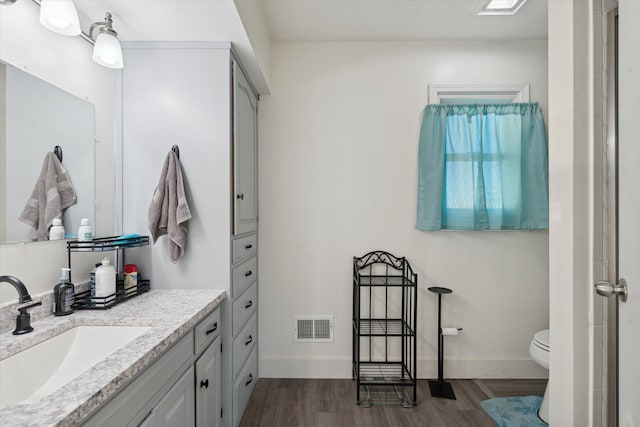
point(20, 287)
point(23, 320)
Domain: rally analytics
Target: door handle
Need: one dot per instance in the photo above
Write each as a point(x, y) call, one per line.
point(606, 289)
point(249, 340)
point(204, 383)
point(249, 380)
point(248, 305)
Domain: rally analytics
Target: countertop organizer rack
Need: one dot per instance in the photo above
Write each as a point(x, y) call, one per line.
point(84, 300)
point(384, 330)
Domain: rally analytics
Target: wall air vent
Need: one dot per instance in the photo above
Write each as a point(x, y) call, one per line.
point(313, 329)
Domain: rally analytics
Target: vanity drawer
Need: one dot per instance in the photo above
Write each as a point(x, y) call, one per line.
point(243, 276)
point(244, 247)
point(244, 343)
point(243, 387)
point(243, 307)
point(206, 331)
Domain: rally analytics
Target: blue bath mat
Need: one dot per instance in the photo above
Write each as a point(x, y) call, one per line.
point(521, 411)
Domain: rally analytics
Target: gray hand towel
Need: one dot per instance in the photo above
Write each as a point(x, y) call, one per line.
point(169, 211)
point(52, 194)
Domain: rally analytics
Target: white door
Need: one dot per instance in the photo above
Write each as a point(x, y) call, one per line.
point(629, 212)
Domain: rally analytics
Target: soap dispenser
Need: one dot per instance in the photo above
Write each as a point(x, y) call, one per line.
point(63, 295)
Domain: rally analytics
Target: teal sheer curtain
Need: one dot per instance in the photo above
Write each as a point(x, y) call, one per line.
point(483, 167)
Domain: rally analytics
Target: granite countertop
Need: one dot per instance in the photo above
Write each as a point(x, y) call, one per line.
point(169, 314)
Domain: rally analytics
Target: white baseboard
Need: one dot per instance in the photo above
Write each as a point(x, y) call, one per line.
point(288, 367)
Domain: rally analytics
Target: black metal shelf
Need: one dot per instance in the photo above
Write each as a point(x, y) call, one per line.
point(384, 330)
point(382, 327)
point(84, 300)
point(103, 244)
point(384, 373)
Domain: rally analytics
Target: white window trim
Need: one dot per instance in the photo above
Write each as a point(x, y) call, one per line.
point(514, 92)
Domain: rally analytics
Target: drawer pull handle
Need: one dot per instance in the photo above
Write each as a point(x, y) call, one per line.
point(212, 330)
point(249, 380)
point(249, 340)
point(249, 304)
point(249, 246)
point(204, 384)
point(248, 273)
point(240, 196)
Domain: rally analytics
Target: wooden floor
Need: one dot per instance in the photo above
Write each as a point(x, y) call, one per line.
point(331, 403)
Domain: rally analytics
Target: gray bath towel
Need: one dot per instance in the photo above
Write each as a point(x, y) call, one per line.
point(169, 211)
point(52, 194)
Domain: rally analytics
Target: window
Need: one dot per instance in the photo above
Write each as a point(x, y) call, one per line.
point(482, 162)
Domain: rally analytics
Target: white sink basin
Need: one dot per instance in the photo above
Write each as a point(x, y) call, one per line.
point(38, 371)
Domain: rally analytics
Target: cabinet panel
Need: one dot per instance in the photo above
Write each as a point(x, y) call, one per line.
point(244, 307)
point(243, 276)
point(244, 343)
point(208, 387)
point(245, 112)
point(176, 407)
point(243, 387)
point(244, 247)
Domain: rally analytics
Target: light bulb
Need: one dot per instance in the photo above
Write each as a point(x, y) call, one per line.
point(107, 51)
point(60, 16)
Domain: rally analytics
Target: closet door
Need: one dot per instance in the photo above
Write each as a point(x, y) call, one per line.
point(245, 150)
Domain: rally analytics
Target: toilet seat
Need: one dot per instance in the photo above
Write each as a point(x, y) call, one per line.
point(541, 339)
point(539, 348)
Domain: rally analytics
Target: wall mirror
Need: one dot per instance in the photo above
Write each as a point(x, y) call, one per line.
point(36, 116)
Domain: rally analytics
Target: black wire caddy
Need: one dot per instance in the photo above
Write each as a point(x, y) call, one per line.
point(84, 300)
point(384, 330)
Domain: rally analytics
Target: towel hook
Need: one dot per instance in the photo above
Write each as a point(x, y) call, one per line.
point(176, 150)
point(57, 150)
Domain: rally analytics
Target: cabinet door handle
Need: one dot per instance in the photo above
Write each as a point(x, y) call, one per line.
point(249, 304)
point(240, 196)
point(212, 330)
point(204, 384)
point(249, 246)
point(249, 340)
point(248, 273)
point(249, 380)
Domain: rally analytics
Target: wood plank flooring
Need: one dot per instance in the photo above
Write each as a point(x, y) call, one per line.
point(331, 403)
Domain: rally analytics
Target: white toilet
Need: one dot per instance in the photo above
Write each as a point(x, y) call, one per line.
point(539, 351)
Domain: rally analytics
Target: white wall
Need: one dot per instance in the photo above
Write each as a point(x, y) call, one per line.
point(338, 173)
point(64, 62)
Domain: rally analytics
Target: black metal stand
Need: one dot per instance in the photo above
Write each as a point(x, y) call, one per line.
point(441, 388)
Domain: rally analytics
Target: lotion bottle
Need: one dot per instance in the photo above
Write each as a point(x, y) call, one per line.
point(85, 234)
point(105, 282)
point(56, 232)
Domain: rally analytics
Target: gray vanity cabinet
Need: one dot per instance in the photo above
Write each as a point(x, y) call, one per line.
point(208, 387)
point(170, 391)
point(245, 110)
point(176, 407)
point(197, 96)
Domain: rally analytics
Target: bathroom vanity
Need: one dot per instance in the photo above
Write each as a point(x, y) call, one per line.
point(168, 374)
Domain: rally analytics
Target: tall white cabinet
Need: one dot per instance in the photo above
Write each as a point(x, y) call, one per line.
point(196, 96)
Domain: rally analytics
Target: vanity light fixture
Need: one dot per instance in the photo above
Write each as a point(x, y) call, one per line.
point(106, 50)
point(500, 7)
point(60, 16)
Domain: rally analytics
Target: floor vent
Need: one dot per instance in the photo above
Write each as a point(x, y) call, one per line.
point(313, 329)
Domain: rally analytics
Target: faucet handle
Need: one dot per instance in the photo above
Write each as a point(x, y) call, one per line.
point(23, 320)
